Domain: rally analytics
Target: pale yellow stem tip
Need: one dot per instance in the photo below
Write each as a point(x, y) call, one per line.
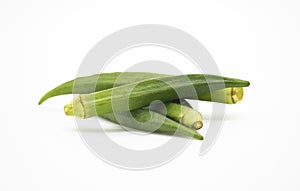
point(69, 109)
point(237, 94)
point(198, 125)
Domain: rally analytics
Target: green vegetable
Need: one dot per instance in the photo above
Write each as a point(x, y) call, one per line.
point(159, 123)
point(180, 113)
point(143, 93)
point(98, 82)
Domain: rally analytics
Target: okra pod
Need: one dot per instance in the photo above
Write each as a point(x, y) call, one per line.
point(98, 82)
point(159, 123)
point(137, 95)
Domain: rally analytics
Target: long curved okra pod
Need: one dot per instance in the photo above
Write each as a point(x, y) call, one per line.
point(98, 82)
point(165, 124)
point(143, 93)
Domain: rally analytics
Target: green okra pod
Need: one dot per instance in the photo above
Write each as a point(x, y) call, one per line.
point(98, 82)
point(159, 123)
point(137, 95)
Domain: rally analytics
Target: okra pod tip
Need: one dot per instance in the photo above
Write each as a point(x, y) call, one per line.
point(198, 136)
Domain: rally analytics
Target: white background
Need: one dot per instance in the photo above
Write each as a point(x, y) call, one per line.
point(42, 44)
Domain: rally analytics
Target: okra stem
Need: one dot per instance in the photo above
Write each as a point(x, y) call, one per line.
point(227, 95)
point(180, 113)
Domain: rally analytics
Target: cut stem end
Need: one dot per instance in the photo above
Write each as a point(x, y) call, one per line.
point(237, 94)
point(69, 110)
point(198, 125)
